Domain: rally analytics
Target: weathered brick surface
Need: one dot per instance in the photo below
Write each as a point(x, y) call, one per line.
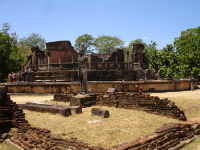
point(168, 136)
point(83, 100)
point(12, 120)
point(11, 115)
point(141, 101)
point(62, 50)
point(63, 97)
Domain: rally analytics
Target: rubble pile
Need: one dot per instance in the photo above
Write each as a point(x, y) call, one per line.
point(11, 115)
point(36, 138)
point(168, 136)
point(141, 101)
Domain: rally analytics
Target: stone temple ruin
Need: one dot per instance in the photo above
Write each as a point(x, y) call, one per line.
point(61, 69)
point(61, 63)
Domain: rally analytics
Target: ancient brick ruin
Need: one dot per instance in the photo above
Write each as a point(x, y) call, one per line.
point(12, 121)
point(61, 63)
point(168, 136)
point(11, 115)
point(141, 101)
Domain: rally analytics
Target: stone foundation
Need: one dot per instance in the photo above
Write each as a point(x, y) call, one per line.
point(97, 86)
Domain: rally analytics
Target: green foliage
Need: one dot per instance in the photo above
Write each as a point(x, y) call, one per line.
point(24, 45)
point(34, 40)
point(10, 58)
point(168, 62)
point(153, 56)
point(188, 53)
point(88, 40)
point(107, 44)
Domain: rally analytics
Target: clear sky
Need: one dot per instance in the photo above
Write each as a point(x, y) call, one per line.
point(157, 20)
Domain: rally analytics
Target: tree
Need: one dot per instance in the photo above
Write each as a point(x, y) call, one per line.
point(188, 53)
point(34, 40)
point(168, 62)
point(88, 40)
point(153, 54)
point(107, 44)
point(10, 58)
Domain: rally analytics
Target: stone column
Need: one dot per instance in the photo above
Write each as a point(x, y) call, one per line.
point(89, 62)
point(116, 62)
point(48, 60)
point(38, 64)
point(128, 59)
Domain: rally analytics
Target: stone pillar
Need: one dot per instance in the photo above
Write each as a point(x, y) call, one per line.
point(38, 64)
point(89, 62)
point(116, 62)
point(48, 60)
point(128, 59)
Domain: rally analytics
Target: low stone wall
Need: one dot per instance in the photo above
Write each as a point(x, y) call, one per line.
point(168, 136)
point(97, 86)
point(143, 102)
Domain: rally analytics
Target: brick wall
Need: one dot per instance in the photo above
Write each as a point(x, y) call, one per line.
point(142, 101)
point(62, 49)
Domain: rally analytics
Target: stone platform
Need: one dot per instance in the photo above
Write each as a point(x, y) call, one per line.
point(98, 86)
point(51, 108)
point(83, 100)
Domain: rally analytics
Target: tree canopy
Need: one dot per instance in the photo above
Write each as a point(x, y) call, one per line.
point(10, 58)
point(88, 40)
point(106, 44)
point(188, 53)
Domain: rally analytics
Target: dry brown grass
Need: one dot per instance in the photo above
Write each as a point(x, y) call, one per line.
point(122, 126)
point(195, 145)
point(6, 147)
point(23, 98)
